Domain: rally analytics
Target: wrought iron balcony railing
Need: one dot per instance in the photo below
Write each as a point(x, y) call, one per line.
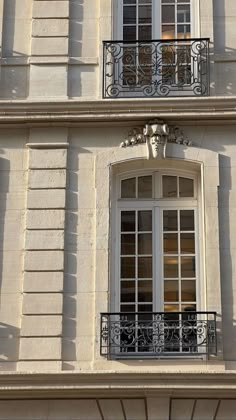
point(156, 68)
point(158, 334)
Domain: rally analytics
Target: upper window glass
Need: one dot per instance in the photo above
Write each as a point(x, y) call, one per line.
point(150, 19)
point(172, 186)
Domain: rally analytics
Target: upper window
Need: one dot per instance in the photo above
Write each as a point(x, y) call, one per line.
point(155, 19)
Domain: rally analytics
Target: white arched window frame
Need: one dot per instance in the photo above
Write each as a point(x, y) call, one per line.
point(158, 206)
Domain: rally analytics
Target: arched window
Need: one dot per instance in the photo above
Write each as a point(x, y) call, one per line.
point(157, 287)
point(157, 243)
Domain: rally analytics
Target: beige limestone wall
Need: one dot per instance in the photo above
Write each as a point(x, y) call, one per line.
point(13, 185)
point(74, 332)
point(57, 45)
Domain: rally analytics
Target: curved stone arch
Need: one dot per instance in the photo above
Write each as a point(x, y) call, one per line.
point(208, 164)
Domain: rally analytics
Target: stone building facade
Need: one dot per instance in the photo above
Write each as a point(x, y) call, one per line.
point(117, 209)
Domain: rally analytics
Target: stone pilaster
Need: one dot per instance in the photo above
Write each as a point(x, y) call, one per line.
point(49, 48)
point(41, 328)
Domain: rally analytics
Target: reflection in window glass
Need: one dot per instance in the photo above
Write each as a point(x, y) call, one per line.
point(169, 186)
point(171, 267)
point(145, 267)
point(186, 220)
point(145, 291)
point(171, 291)
point(127, 244)
point(188, 267)
point(128, 188)
point(186, 187)
point(128, 221)
point(144, 243)
point(170, 243)
point(127, 267)
point(145, 220)
point(145, 187)
point(170, 220)
point(127, 291)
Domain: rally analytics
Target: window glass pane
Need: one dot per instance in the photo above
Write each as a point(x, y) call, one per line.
point(144, 33)
point(187, 308)
point(129, 1)
point(144, 308)
point(145, 291)
point(170, 243)
point(188, 291)
point(145, 187)
point(168, 14)
point(145, 243)
point(188, 267)
point(127, 293)
point(171, 291)
point(171, 308)
point(186, 220)
point(169, 186)
point(128, 308)
point(183, 1)
point(129, 33)
point(128, 221)
point(183, 31)
point(145, 267)
point(183, 13)
point(129, 15)
point(145, 1)
point(127, 270)
point(127, 244)
point(170, 267)
point(128, 188)
point(145, 14)
point(186, 187)
point(170, 221)
point(187, 243)
point(145, 220)
point(168, 31)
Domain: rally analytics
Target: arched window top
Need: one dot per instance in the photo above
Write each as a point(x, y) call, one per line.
point(158, 185)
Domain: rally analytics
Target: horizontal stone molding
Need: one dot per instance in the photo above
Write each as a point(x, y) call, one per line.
point(47, 158)
point(45, 145)
point(202, 383)
point(46, 199)
point(44, 239)
point(45, 219)
point(41, 281)
point(41, 325)
point(44, 260)
point(40, 348)
point(47, 178)
point(110, 111)
point(42, 303)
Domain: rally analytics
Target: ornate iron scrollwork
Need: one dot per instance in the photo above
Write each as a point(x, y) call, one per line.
point(156, 68)
point(158, 334)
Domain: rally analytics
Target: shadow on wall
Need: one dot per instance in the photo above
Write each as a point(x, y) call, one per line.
point(76, 26)
point(70, 278)
point(226, 261)
point(9, 335)
point(223, 56)
point(14, 82)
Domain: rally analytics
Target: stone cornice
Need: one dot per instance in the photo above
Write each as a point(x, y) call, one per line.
point(67, 112)
point(110, 384)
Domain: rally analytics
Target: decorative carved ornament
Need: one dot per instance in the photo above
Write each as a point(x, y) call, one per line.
point(156, 135)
